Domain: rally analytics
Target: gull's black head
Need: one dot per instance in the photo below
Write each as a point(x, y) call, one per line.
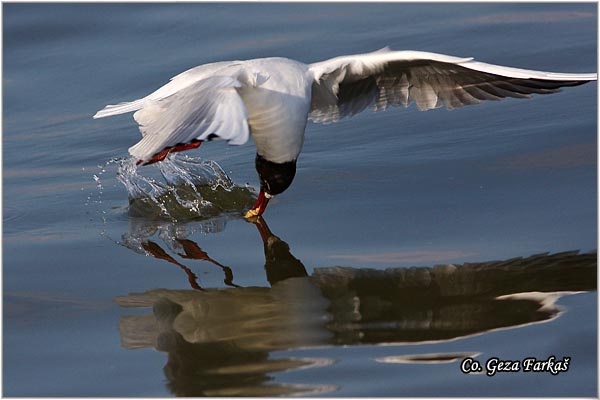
point(275, 178)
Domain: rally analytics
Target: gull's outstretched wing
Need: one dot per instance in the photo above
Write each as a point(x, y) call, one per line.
point(210, 107)
point(346, 85)
point(194, 106)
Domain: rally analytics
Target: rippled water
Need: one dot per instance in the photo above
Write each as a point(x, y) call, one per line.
point(408, 242)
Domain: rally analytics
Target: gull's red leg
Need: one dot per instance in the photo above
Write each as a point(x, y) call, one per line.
point(163, 153)
point(187, 146)
point(157, 157)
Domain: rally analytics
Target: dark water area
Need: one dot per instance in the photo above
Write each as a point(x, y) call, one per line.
point(408, 242)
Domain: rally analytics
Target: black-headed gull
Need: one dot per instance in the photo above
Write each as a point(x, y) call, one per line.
point(272, 99)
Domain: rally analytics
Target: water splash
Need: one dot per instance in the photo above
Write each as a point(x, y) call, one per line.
point(186, 188)
point(171, 200)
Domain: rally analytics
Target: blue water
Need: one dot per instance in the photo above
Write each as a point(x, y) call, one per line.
point(97, 292)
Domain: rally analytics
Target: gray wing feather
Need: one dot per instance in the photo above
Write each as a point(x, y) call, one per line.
point(427, 83)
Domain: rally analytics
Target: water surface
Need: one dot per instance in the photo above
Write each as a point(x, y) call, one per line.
point(408, 241)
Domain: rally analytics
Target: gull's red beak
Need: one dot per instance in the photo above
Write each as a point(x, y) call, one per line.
point(260, 206)
point(262, 202)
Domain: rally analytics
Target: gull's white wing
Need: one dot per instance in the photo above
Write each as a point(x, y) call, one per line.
point(176, 84)
point(198, 104)
point(346, 85)
point(207, 108)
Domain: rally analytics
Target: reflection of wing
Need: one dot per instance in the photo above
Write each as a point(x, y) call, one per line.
point(559, 272)
point(366, 305)
point(218, 342)
point(221, 333)
point(346, 85)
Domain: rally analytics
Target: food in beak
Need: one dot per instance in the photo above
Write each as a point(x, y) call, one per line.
point(259, 207)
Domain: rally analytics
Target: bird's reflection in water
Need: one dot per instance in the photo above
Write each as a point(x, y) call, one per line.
point(280, 264)
point(219, 341)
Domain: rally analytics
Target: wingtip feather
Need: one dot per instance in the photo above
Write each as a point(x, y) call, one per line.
point(121, 108)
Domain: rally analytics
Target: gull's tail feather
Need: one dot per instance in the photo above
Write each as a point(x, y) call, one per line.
point(121, 108)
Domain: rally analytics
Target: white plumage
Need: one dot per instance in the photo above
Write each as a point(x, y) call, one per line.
point(272, 98)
